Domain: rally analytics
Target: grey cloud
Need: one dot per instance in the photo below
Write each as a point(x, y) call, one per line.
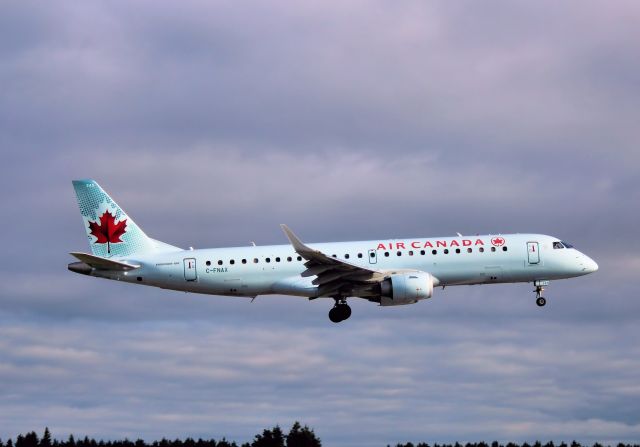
point(520, 375)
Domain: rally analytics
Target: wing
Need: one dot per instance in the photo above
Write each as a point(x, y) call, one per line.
point(334, 276)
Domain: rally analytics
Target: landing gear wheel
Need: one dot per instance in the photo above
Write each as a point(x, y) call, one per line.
point(340, 312)
point(540, 300)
point(345, 311)
point(334, 315)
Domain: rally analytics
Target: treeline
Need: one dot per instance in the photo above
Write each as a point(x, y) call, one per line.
point(511, 444)
point(298, 436)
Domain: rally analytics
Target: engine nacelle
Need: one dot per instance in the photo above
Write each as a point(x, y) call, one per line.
point(406, 288)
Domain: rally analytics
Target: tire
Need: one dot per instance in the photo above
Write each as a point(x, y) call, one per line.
point(345, 311)
point(334, 315)
point(540, 301)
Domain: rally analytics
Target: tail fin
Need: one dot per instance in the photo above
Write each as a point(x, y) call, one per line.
point(111, 232)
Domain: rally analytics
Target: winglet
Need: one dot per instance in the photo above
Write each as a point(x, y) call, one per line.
point(298, 246)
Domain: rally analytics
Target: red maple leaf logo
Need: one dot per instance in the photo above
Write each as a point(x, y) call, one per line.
point(108, 231)
point(498, 241)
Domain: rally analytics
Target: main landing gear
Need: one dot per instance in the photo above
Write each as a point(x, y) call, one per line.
point(540, 300)
point(340, 312)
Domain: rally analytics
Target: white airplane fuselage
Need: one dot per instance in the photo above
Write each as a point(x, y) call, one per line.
point(235, 272)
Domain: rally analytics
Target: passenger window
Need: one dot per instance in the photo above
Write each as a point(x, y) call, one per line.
point(333, 256)
point(255, 260)
point(288, 258)
point(386, 253)
point(373, 255)
point(232, 262)
point(208, 262)
point(469, 250)
point(267, 260)
point(446, 251)
point(360, 255)
point(399, 253)
point(458, 250)
point(422, 252)
point(244, 261)
point(277, 259)
point(299, 258)
point(410, 252)
point(504, 248)
point(346, 256)
point(493, 248)
point(434, 252)
point(481, 249)
point(220, 262)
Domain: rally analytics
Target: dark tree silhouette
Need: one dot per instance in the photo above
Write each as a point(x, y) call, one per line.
point(298, 436)
point(302, 437)
point(28, 440)
point(269, 438)
point(46, 438)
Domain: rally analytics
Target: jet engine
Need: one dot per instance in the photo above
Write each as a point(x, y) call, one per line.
point(406, 288)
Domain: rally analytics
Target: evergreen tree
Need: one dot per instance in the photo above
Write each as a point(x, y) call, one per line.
point(28, 440)
point(302, 437)
point(225, 443)
point(269, 438)
point(46, 438)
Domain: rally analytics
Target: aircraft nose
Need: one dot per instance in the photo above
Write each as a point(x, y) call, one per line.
point(589, 264)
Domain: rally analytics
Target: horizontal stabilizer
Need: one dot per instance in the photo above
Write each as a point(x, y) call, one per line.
point(103, 263)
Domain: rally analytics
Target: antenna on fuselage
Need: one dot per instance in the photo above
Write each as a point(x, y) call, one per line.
point(253, 243)
point(459, 235)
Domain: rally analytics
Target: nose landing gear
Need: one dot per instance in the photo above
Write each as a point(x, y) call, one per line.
point(540, 300)
point(340, 311)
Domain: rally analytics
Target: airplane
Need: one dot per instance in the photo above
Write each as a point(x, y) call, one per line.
point(389, 272)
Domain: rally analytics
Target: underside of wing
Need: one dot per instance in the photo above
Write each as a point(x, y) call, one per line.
point(335, 277)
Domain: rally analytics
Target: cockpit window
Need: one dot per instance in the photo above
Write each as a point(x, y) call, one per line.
point(557, 245)
point(567, 245)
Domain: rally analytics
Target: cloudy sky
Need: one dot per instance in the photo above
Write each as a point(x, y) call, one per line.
point(213, 122)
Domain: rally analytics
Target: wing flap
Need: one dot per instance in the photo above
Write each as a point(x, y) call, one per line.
point(334, 276)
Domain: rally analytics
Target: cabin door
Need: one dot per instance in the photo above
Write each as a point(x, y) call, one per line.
point(533, 252)
point(190, 269)
point(373, 257)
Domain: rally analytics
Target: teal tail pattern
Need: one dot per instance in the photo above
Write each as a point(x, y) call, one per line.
point(111, 232)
